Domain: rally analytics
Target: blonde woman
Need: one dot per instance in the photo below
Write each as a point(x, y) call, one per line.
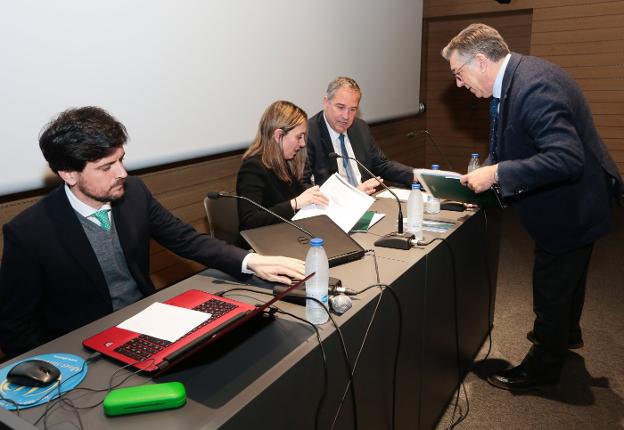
point(272, 169)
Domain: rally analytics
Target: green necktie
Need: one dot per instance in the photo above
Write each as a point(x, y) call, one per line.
point(102, 217)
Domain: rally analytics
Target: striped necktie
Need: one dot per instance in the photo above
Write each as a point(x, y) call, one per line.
point(102, 217)
point(493, 121)
point(346, 163)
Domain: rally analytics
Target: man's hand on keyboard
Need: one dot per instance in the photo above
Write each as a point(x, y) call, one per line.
point(276, 269)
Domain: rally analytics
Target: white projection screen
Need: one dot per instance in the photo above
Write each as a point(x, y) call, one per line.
point(190, 78)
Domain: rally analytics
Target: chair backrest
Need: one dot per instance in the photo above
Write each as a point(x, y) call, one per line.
point(223, 218)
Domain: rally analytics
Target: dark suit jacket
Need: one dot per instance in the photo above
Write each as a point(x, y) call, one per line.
point(365, 149)
point(261, 185)
point(554, 168)
point(51, 281)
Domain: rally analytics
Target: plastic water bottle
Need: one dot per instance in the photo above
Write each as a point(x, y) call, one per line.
point(432, 205)
point(415, 212)
point(317, 286)
point(474, 163)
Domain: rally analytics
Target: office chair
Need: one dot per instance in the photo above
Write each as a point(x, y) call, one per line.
point(223, 218)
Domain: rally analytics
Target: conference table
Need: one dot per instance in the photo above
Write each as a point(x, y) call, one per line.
point(269, 374)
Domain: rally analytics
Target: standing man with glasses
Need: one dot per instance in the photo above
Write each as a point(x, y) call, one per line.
point(551, 165)
point(338, 129)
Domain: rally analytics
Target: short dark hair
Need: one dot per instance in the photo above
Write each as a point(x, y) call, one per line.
point(79, 135)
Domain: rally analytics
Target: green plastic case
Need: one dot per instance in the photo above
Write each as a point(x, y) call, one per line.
point(144, 398)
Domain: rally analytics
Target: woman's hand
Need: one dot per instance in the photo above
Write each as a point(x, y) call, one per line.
point(310, 196)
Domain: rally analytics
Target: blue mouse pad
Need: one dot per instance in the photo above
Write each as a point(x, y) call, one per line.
point(73, 371)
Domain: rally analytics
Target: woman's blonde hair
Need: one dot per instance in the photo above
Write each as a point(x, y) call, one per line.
point(286, 116)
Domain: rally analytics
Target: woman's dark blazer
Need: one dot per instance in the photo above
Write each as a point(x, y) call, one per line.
point(263, 186)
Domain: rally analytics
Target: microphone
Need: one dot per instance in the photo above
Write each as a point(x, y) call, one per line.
point(213, 195)
point(398, 240)
point(413, 134)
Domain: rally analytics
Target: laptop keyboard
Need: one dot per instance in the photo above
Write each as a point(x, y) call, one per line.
point(143, 346)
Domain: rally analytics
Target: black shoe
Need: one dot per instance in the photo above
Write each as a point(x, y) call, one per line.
point(572, 344)
point(518, 378)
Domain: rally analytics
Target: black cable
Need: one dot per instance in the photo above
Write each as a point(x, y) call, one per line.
point(342, 343)
point(17, 405)
point(319, 405)
point(349, 386)
point(13, 402)
point(489, 281)
point(383, 287)
point(363, 341)
point(394, 295)
point(460, 383)
point(399, 335)
point(489, 312)
point(63, 397)
point(51, 403)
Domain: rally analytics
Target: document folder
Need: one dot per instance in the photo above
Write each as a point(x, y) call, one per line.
point(446, 185)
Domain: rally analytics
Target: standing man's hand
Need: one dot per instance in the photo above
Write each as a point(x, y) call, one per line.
point(481, 179)
point(276, 269)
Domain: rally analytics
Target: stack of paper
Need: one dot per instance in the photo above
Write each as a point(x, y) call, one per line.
point(346, 205)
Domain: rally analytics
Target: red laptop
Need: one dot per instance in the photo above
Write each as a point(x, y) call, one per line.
point(157, 356)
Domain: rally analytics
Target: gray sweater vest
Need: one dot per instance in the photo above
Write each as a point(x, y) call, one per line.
point(121, 285)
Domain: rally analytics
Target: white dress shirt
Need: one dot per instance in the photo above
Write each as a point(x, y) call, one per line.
point(84, 209)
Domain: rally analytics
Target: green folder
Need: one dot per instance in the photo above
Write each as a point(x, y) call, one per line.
point(363, 223)
point(449, 187)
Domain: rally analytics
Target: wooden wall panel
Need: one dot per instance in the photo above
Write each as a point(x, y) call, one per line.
point(584, 37)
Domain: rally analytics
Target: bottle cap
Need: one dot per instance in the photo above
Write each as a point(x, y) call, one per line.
point(316, 241)
point(415, 186)
point(435, 166)
point(475, 155)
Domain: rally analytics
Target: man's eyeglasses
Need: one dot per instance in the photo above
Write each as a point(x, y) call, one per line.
point(456, 73)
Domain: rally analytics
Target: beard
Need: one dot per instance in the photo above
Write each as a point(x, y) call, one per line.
point(114, 193)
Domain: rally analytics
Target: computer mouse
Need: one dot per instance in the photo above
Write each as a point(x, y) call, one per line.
point(33, 373)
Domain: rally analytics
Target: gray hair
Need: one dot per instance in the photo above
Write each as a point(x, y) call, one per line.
point(342, 82)
point(477, 38)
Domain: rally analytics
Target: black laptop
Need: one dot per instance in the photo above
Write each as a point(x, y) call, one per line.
point(284, 239)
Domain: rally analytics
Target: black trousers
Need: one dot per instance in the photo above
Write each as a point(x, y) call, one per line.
point(558, 296)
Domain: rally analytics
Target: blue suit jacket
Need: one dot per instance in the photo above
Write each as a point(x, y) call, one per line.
point(553, 166)
point(51, 281)
point(319, 146)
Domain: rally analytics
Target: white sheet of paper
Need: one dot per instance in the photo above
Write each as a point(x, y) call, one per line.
point(402, 194)
point(376, 218)
point(346, 205)
point(164, 321)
